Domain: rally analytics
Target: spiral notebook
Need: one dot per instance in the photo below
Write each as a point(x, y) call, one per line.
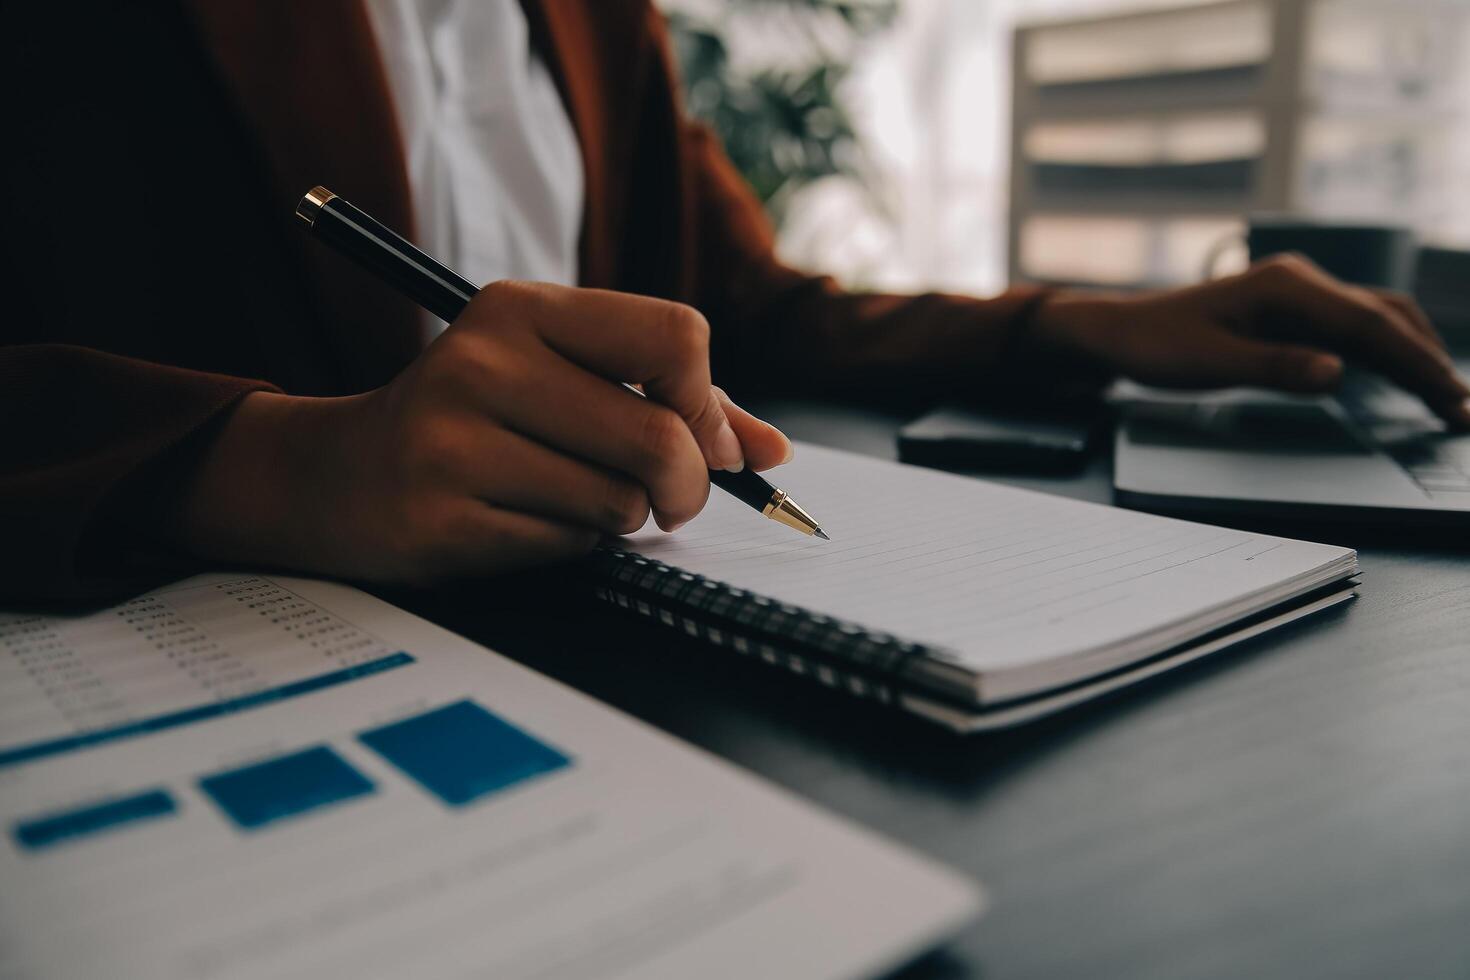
point(973, 604)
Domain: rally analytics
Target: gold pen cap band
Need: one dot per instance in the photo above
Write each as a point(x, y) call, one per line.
point(311, 204)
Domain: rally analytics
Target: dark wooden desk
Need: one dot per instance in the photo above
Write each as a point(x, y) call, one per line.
point(1299, 808)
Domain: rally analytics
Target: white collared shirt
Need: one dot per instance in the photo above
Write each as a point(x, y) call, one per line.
point(494, 166)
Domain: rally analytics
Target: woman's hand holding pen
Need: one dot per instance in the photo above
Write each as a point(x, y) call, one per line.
point(1283, 324)
point(506, 443)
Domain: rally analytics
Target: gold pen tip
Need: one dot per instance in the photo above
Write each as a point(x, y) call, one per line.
point(821, 534)
point(787, 511)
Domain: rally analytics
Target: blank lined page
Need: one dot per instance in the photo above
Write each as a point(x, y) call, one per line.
point(997, 576)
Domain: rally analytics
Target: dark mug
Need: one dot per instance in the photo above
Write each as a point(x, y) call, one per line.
point(1365, 255)
point(1362, 254)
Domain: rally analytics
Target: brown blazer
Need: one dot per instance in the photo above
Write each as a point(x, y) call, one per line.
point(154, 275)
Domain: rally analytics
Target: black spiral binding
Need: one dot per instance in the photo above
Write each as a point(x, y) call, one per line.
point(835, 652)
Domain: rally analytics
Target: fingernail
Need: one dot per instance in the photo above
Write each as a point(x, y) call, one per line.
point(1324, 371)
point(790, 452)
point(728, 454)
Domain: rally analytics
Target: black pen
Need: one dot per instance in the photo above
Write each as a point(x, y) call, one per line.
point(443, 293)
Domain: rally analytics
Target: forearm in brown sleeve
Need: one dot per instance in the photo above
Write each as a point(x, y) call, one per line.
point(779, 330)
point(94, 449)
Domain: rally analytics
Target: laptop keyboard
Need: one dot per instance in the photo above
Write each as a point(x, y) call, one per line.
point(1441, 466)
point(1438, 461)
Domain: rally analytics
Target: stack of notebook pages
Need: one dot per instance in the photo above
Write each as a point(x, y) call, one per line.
point(975, 605)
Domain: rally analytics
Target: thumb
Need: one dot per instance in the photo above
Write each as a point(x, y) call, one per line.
point(764, 444)
point(717, 440)
point(1237, 360)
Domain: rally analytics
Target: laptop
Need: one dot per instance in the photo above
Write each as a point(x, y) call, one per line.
point(1371, 456)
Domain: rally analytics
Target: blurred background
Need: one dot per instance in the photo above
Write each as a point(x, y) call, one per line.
point(964, 144)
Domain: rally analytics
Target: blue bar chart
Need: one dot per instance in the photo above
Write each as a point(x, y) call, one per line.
point(458, 754)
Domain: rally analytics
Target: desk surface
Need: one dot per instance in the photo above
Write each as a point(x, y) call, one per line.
point(1299, 808)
